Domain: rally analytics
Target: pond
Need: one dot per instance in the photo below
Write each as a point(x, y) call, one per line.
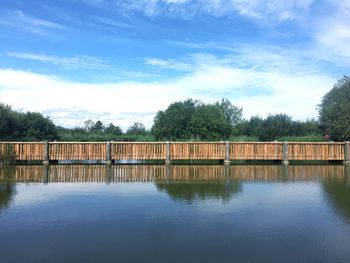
point(176, 213)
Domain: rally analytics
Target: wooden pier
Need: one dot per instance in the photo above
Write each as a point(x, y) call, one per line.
point(171, 151)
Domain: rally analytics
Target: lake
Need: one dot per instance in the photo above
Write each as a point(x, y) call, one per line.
point(177, 213)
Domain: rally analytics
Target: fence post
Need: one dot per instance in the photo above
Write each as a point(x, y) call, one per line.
point(347, 153)
point(46, 153)
point(285, 153)
point(108, 153)
point(227, 153)
point(167, 153)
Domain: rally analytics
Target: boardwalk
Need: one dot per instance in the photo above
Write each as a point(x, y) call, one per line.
point(169, 151)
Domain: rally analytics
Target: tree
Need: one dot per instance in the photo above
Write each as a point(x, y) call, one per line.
point(112, 129)
point(97, 126)
point(233, 114)
point(37, 127)
point(209, 122)
point(25, 126)
point(174, 122)
point(334, 110)
point(251, 127)
point(275, 126)
point(88, 124)
point(8, 122)
point(137, 129)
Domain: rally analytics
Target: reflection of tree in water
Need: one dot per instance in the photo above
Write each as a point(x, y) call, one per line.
point(338, 193)
point(7, 188)
point(192, 191)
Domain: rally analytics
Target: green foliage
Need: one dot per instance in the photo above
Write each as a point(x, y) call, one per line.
point(275, 126)
point(137, 129)
point(307, 138)
point(174, 122)
point(7, 155)
point(208, 122)
point(114, 130)
point(28, 126)
point(334, 111)
point(233, 114)
point(278, 126)
point(193, 120)
point(243, 138)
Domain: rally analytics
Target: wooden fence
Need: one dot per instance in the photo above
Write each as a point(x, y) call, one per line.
point(109, 151)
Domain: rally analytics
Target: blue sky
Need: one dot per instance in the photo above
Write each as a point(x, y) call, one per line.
point(121, 61)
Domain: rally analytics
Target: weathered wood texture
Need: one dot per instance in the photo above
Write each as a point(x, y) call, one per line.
point(172, 174)
point(256, 150)
point(23, 150)
point(315, 151)
point(197, 151)
point(178, 150)
point(138, 151)
point(77, 151)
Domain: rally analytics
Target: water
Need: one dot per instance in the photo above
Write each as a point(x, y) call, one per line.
point(124, 213)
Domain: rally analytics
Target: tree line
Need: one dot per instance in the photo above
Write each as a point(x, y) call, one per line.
point(194, 120)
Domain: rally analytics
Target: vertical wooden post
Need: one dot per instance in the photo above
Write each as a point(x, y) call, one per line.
point(108, 153)
point(347, 153)
point(227, 153)
point(167, 154)
point(285, 154)
point(46, 153)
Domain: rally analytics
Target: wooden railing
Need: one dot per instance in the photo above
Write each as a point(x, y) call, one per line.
point(138, 150)
point(77, 151)
point(316, 151)
point(256, 150)
point(47, 151)
point(23, 150)
point(197, 150)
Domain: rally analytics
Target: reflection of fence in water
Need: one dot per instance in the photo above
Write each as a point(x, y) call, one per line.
point(150, 173)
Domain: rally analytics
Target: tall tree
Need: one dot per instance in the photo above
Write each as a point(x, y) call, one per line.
point(137, 129)
point(209, 123)
point(112, 129)
point(275, 126)
point(233, 114)
point(334, 110)
point(173, 123)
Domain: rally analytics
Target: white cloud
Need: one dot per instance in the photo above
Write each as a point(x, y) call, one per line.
point(68, 62)
point(277, 10)
point(275, 83)
point(19, 20)
point(332, 33)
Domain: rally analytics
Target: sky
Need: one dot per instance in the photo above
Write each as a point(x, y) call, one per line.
point(122, 61)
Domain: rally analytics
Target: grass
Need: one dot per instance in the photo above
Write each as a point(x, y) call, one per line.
point(309, 138)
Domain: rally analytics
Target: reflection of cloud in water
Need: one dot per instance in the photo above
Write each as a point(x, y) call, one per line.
point(337, 192)
point(222, 190)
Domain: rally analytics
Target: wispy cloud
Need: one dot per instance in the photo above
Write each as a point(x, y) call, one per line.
point(19, 20)
point(74, 62)
point(276, 10)
point(332, 33)
point(168, 64)
point(274, 83)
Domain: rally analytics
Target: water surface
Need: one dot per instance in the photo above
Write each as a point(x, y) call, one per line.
point(179, 213)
